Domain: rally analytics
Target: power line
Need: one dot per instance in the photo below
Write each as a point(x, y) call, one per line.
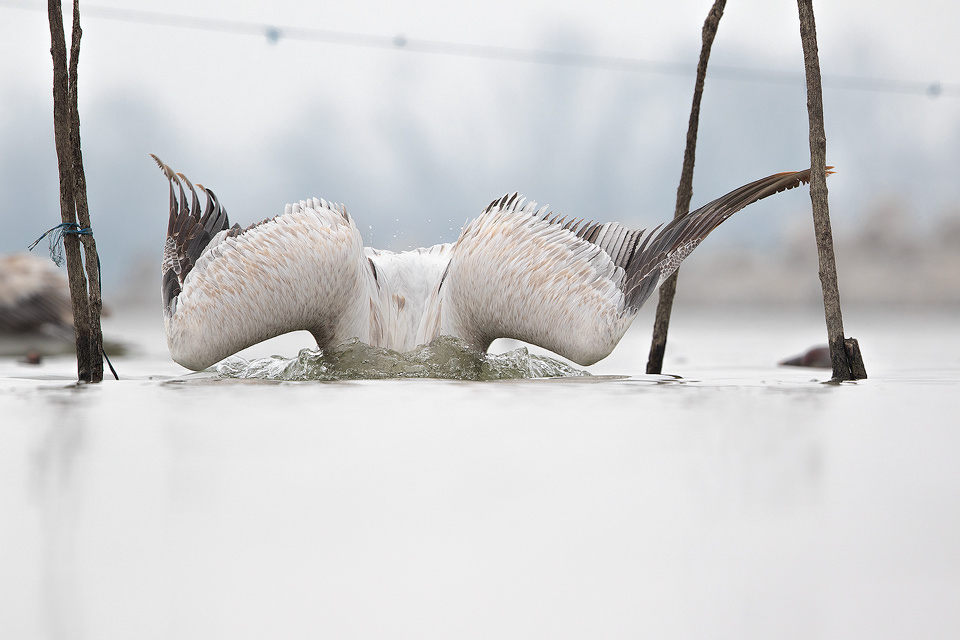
point(274, 34)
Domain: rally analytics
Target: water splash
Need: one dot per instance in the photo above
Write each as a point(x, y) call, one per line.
point(445, 358)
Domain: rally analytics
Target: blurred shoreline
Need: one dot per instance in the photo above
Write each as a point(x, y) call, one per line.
point(886, 261)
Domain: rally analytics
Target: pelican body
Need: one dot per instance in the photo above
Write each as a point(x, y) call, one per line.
point(516, 271)
point(34, 297)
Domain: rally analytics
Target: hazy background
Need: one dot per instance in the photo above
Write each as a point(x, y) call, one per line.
point(415, 143)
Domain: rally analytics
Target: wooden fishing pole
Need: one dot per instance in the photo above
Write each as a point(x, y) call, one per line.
point(845, 355)
point(74, 212)
point(658, 344)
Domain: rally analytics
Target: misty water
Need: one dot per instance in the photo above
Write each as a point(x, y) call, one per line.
point(728, 498)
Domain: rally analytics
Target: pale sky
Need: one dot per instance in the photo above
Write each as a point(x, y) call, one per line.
point(415, 144)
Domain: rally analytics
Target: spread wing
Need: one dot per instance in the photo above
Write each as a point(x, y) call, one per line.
point(572, 287)
point(226, 288)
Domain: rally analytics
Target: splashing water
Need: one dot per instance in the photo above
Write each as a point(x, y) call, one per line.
point(445, 358)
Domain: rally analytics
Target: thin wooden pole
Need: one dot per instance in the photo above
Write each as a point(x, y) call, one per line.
point(91, 257)
point(845, 355)
point(658, 344)
point(66, 128)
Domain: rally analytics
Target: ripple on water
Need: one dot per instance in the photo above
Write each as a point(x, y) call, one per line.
point(445, 358)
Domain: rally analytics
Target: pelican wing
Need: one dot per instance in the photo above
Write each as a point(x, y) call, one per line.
point(661, 253)
point(517, 273)
point(572, 287)
point(226, 288)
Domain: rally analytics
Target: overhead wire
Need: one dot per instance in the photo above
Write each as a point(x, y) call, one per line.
point(274, 34)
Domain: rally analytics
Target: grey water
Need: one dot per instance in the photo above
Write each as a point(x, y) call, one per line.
point(728, 498)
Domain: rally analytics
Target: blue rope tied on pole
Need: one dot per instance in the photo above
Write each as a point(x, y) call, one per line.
point(56, 239)
point(56, 254)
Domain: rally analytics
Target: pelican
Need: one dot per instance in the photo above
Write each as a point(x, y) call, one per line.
point(34, 297)
point(517, 271)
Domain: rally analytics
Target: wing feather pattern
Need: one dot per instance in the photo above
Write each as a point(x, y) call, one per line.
point(227, 288)
point(661, 253)
point(515, 273)
point(570, 287)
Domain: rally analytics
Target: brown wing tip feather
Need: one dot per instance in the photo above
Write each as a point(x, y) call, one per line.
point(167, 171)
point(805, 174)
point(790, 180)
point(186, 180)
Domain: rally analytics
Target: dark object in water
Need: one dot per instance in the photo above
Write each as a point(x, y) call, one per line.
point(32, 357)
point(815, 357)
point(33, 296)
point(36, 314)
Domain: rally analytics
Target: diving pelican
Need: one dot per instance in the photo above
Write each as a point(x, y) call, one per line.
point(516, 271)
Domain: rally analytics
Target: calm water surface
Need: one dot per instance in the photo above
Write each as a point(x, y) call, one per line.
point(740, 500)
